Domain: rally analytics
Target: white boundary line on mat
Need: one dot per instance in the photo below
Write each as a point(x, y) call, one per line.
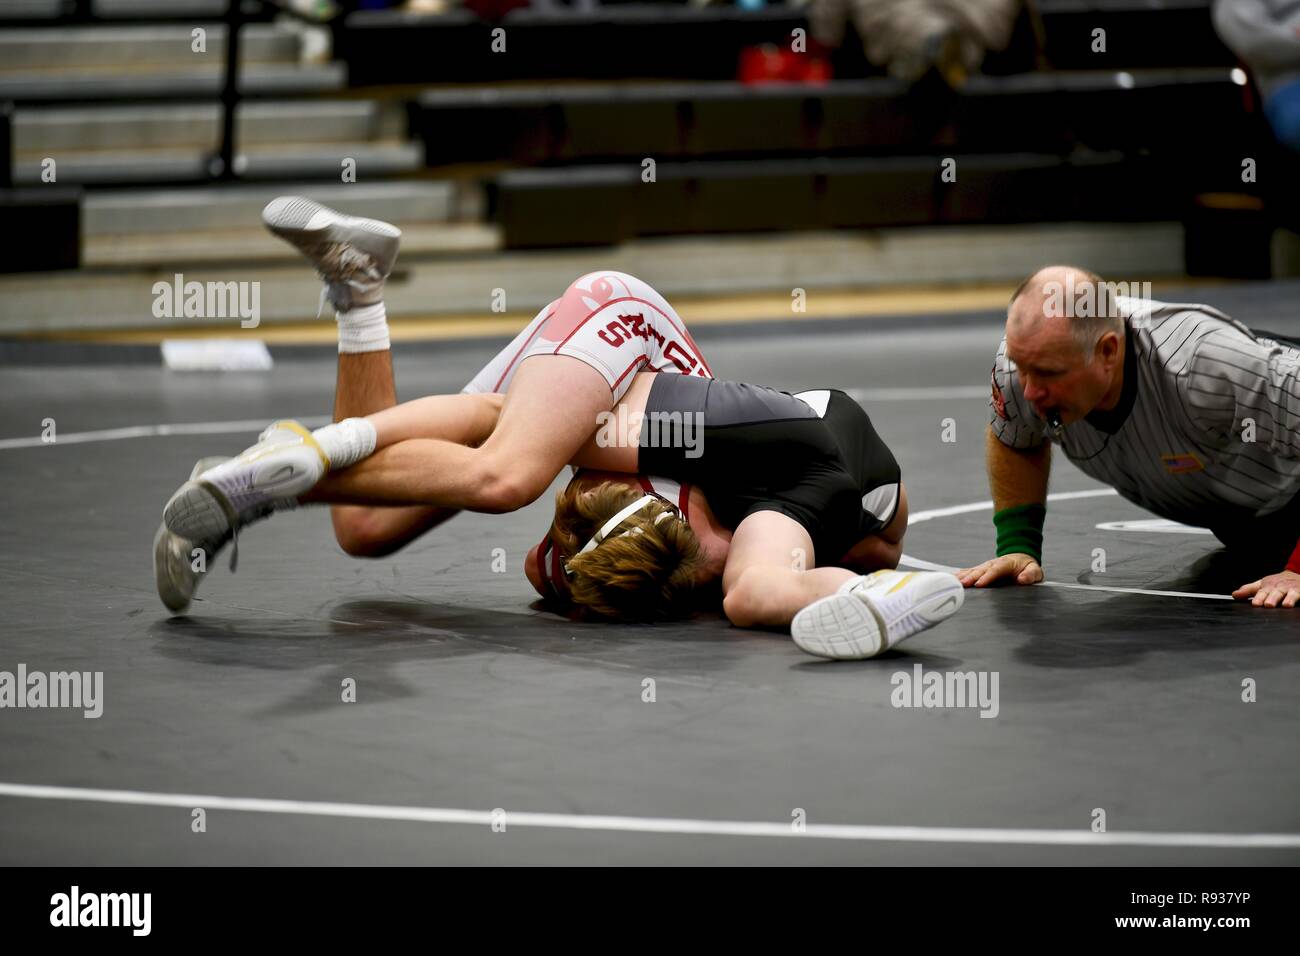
point(225, 428)
point(967, 508)
point(578, 821)
point(150, 431)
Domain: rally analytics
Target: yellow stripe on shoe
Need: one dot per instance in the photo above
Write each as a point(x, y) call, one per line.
point(901, 581)
point(308, 438)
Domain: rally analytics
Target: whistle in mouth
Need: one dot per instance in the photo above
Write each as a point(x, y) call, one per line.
point(1054, 422)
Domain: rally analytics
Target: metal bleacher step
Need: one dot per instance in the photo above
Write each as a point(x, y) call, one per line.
point(256, 246)
point(32, 10)
point(147, 9)
point(325, 161)
point(165, 212)
point(465, 282)
point(39, 132)
point(92, 48)
point(36, 11)
point(202, 82)
point(265, 162)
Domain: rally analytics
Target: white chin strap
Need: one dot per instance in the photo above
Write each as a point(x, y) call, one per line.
point(612, 524)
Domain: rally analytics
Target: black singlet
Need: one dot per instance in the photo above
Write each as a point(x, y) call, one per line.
point(813, 457)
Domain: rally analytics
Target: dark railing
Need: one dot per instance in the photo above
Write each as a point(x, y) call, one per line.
point(6, 145)
point(222, 165)
point(238, 13)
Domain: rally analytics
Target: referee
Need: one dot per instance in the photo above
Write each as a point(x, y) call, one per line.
point(1182, 410)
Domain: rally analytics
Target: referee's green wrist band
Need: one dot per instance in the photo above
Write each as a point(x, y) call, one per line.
point(1020, 530)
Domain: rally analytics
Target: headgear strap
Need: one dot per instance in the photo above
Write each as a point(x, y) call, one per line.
point(612, 524)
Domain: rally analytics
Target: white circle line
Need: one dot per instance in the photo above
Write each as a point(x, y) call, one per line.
point(151, 431)
point(221, 428)
point(580, 821)
point(948, 512)
point(1152, 526)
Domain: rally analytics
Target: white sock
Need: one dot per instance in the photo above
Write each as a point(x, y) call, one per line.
point(346, 442)
point(364, 329)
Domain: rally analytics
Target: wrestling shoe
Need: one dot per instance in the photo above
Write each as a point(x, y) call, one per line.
point(871, 614)
point(352, 256)
point(173, 556)
point(269, 476)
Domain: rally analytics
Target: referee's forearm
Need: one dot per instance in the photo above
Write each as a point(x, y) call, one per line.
point(1016, 477)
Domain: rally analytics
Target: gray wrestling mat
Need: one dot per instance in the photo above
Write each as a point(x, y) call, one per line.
point(1120, 691)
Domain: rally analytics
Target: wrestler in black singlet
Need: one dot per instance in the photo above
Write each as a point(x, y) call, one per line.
point(814, 458)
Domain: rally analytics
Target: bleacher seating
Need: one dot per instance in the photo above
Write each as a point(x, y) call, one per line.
point(50, 13)
point(545, 144)
point(624, 42)
point(1038, 112)
point(704, 43)
point(603, 204)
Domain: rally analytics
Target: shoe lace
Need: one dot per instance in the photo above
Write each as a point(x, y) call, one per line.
point(340, 266)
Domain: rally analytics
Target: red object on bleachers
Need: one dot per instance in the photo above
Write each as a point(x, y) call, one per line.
point(772, 64)
point(493, 9)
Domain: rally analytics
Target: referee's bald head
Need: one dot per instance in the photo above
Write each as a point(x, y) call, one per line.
point(1064, 300)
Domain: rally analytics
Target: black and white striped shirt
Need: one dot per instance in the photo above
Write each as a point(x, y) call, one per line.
point(1207, 430)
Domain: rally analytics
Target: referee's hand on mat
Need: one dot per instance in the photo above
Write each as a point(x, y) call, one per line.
point(1021, 568)
point(1281, 589)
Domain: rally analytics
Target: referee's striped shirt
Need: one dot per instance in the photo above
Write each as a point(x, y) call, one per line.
point(1198, 386)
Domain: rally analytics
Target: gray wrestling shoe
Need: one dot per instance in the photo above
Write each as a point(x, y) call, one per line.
point(266, 477)
point(174, 559)
point(352, 256)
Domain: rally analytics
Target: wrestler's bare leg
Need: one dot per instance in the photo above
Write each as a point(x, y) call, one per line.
point(550, 411)
point(365, 387)
point(764, 583)
point(604, 327)
point(769, 575)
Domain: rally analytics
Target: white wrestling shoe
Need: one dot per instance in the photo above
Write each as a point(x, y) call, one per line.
point(352, 256)
point(285, 463)
point(174, 559)
point(871, 614)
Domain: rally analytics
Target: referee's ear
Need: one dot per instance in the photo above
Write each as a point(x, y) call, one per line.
point(1108, 347)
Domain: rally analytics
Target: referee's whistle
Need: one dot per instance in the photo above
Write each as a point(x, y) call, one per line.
point(1054, 422)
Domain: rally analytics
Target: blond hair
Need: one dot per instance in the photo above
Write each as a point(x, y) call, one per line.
point(644, 571)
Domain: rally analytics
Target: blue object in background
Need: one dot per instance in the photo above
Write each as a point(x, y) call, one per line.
point(1283, 112)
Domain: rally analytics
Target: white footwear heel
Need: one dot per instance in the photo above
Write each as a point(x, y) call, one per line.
point(872, 614)
point(173, 557)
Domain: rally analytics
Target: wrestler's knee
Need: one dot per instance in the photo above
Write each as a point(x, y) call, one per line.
point(359, 532)
point(501, 489)
point(874, 553)
point(889, 553)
